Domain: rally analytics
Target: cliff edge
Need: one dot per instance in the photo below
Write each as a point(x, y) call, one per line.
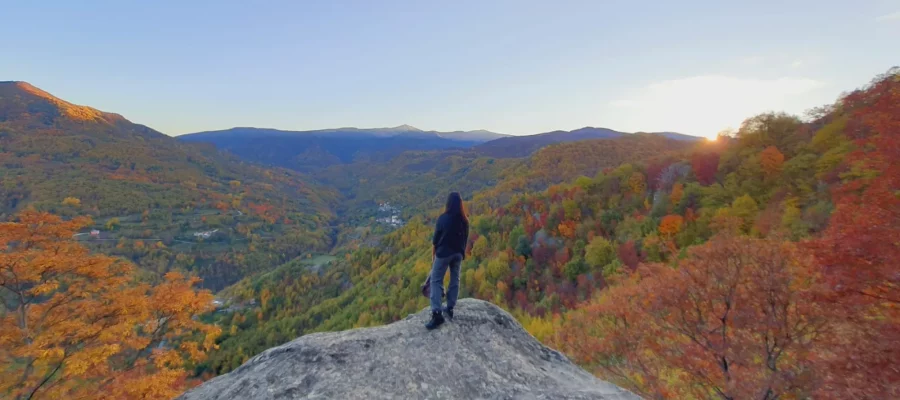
point(483, 354)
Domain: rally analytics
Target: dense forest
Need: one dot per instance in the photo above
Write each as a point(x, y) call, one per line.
point(755, 266)
point(758, 265)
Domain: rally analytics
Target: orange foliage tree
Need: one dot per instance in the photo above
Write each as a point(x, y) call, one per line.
point(736, 320)
point(771, 161)
point(566, 229)
point(671, 225)
point(79, 325)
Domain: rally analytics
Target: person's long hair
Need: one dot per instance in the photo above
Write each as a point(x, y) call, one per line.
point(455, 206)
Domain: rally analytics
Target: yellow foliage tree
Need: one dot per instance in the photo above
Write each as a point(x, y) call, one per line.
point(112, 223)
point(480, 248)
point(677, 193)
point(71, 201)
point(79, 325)
point(637, 183)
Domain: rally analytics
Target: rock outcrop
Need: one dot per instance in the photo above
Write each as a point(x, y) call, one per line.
point(483, 354)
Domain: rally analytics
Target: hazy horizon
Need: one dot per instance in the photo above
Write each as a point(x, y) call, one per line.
point(507, 67)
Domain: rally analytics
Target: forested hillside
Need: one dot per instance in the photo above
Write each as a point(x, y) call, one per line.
point(760, 265)
point(150, 194)
point(523, 146)
point(416, 182)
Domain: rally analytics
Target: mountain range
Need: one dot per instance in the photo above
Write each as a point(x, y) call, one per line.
point(312, 150)
point(408, 131)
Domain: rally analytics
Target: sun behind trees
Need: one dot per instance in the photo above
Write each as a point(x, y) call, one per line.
point(80, 325)
point(745, 317)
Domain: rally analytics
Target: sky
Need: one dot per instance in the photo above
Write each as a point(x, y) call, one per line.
point(515, 67)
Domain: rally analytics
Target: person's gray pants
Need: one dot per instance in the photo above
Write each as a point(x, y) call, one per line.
point(438, 270)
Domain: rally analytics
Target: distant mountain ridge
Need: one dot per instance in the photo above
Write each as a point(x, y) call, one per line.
point(479, 135)
point(312, 150)
point(317, 149)
point(522, 146)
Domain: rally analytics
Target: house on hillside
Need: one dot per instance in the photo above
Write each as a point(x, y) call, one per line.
point(392, 220)
point(393, 215)
point(205, 234)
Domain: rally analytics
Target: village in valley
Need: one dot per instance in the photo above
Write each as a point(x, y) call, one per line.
point(389, 215)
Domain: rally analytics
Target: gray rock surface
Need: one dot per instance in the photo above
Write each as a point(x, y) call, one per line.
point(483, 354)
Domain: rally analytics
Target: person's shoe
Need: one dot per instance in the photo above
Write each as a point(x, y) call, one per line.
point(436, 320)
point(449, 312)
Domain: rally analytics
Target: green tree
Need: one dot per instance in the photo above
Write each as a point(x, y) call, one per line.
point(523, 247)
point(585, 183)
point(575, 267)
point(599, 252)
point(514, 236)
point(611, 269)
point(792, 220)
point(571, 210)
point(745, 208)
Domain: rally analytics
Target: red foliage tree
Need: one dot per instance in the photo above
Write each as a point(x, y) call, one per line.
point(628, 254)
point(705, 166)
point(861, 247)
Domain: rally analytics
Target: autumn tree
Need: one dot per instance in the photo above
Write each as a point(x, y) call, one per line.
point(637, 183)
point(771, 161)
point(861, 247)
point(79, 325)
point(677, 193)
point(480, 248)
point(670, 225)
point(567, 229)
point(627, 252)
point(705, 166)
point(737, 319)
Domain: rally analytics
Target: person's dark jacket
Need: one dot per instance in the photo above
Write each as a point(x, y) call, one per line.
point(451, 234)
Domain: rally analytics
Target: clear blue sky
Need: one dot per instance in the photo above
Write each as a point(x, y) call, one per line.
point(516, 67)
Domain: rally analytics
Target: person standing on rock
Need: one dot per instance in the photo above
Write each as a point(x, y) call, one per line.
point(449, 249)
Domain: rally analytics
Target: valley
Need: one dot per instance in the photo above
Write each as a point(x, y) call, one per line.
point(302, 232)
